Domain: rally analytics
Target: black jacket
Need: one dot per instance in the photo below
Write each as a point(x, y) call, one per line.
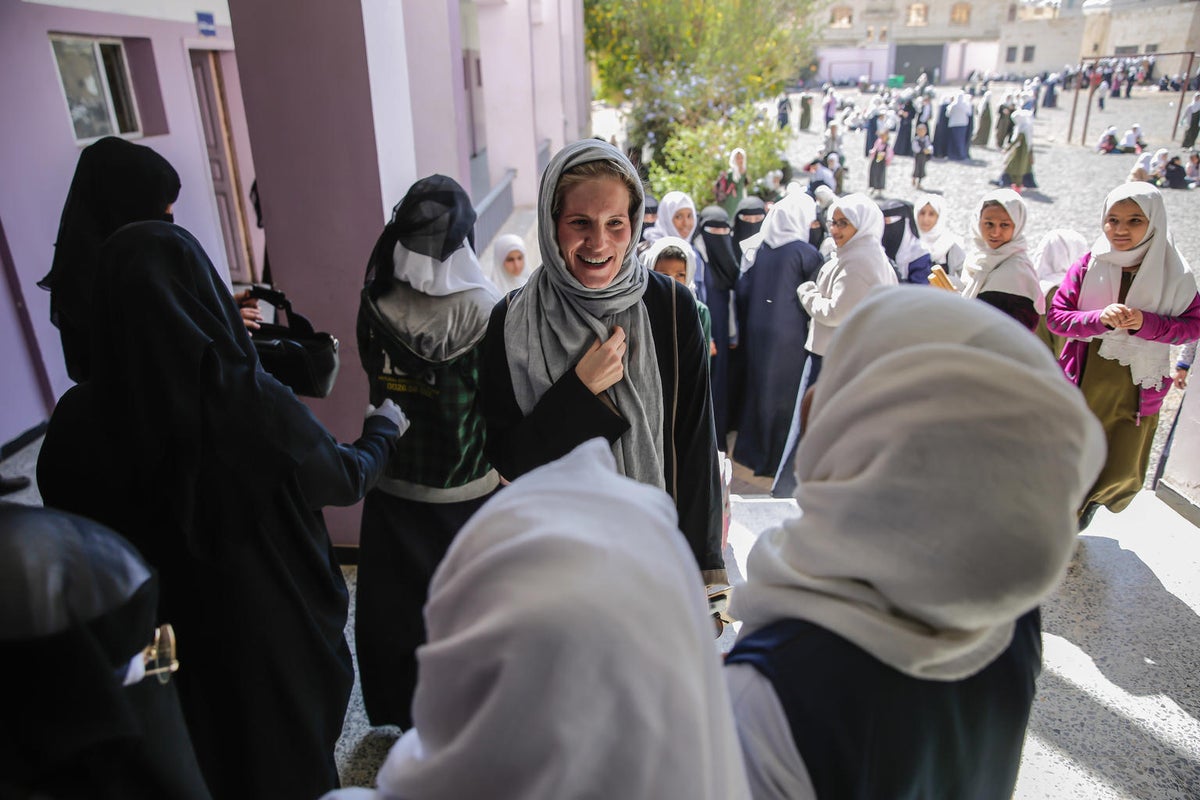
point(568, 414)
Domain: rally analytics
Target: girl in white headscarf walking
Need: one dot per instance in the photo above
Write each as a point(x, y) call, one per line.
point(1001, 273)
point(857, 266)
point(945, 248)
point(1121, 307)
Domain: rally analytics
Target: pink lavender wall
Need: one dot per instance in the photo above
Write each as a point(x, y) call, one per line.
point(37, 158)
point(305, 78)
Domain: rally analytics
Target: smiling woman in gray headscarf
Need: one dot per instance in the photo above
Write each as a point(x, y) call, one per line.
point(595, 344)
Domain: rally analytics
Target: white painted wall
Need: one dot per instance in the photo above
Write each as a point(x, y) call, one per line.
point(391, 100)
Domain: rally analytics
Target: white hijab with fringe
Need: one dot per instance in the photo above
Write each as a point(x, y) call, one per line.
point(1164, 285)
point(926, 575)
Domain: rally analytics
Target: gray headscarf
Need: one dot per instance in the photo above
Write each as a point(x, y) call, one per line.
point(553, 321)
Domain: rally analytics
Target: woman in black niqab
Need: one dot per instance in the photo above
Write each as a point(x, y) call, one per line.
point(747, 221)
point(116, 182)
point(217, 474)
point(721, 270)
point(81, 718)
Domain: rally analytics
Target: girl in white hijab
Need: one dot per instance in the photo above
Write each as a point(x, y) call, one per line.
point(945, 248)
point(1121, 309)
point(671, 205)
point(570, 653)
point(890, 640)
point(1000, 273)
point(858, 265)
point(510, 267)
point(677, 217)
point(1058, 250)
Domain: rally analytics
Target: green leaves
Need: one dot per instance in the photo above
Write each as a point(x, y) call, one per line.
point(684, 63)
point(695, 156)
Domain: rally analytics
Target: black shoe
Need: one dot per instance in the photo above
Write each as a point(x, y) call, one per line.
point(1085, 516)
point(10, 485)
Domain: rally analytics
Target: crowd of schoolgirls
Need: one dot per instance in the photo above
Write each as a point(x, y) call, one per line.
point(542, 468)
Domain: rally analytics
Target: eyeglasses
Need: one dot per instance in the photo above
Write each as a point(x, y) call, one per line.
point(839, 223)
point(159, 655)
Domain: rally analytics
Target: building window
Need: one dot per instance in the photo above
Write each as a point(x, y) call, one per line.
point(1010, 55)
point(870, 32)
point(918, 14)
point(960, 14)
point(1012, 13)
point(883, 34)
point(96, 84)
point(1027, 56)
point(841, 17)
point(1150, 48)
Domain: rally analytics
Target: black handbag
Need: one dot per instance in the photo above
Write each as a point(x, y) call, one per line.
point(295, 354)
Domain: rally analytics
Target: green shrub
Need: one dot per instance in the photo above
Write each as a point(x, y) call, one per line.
point(694, 157)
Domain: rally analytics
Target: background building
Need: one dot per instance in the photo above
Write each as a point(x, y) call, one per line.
point(333, 107)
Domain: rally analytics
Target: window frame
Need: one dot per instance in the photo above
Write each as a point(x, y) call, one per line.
point(96, 43)
point(1027, 53)
point(910, 18)
point(842, 23)
point(1010, 54)
point(966, 7)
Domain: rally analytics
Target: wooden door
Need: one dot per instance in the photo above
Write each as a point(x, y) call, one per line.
point(214, 116)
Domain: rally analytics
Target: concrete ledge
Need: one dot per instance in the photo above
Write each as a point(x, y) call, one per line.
point(1177, 501)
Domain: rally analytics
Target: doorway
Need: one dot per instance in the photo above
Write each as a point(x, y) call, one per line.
point(222, 162)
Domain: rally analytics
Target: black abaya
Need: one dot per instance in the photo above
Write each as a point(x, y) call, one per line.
point(773, 330)
point(217, 473)
point(941, 134)
point(720, 276)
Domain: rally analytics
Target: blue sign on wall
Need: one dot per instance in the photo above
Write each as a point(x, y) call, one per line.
point(208, 26)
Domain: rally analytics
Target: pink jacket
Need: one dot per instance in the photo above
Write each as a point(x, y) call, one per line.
point(1065, 319)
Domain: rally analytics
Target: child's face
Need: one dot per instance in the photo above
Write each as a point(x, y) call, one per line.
point(922, 130)
point(672, 268)
point(1125, 225)
point(684, 220)
point(996, 226)
point(926, 218)
point(514, 263)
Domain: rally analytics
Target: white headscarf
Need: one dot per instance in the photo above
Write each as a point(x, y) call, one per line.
point(1164, 284)
point(733, 167)
point(569, 653)
point(460, 272)
point(938, 239)
point(664, 225)
point(789, 219)
point(504, 245)
point(1006, 268)
point(1058, 250)
point(650, 257)
point(555, 319)
point(1023, 123)
point(928, 574)
point(865, 248)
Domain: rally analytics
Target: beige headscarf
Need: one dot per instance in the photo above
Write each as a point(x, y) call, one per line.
point(929, 525)
point(570, 653)
point(1164, 284)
